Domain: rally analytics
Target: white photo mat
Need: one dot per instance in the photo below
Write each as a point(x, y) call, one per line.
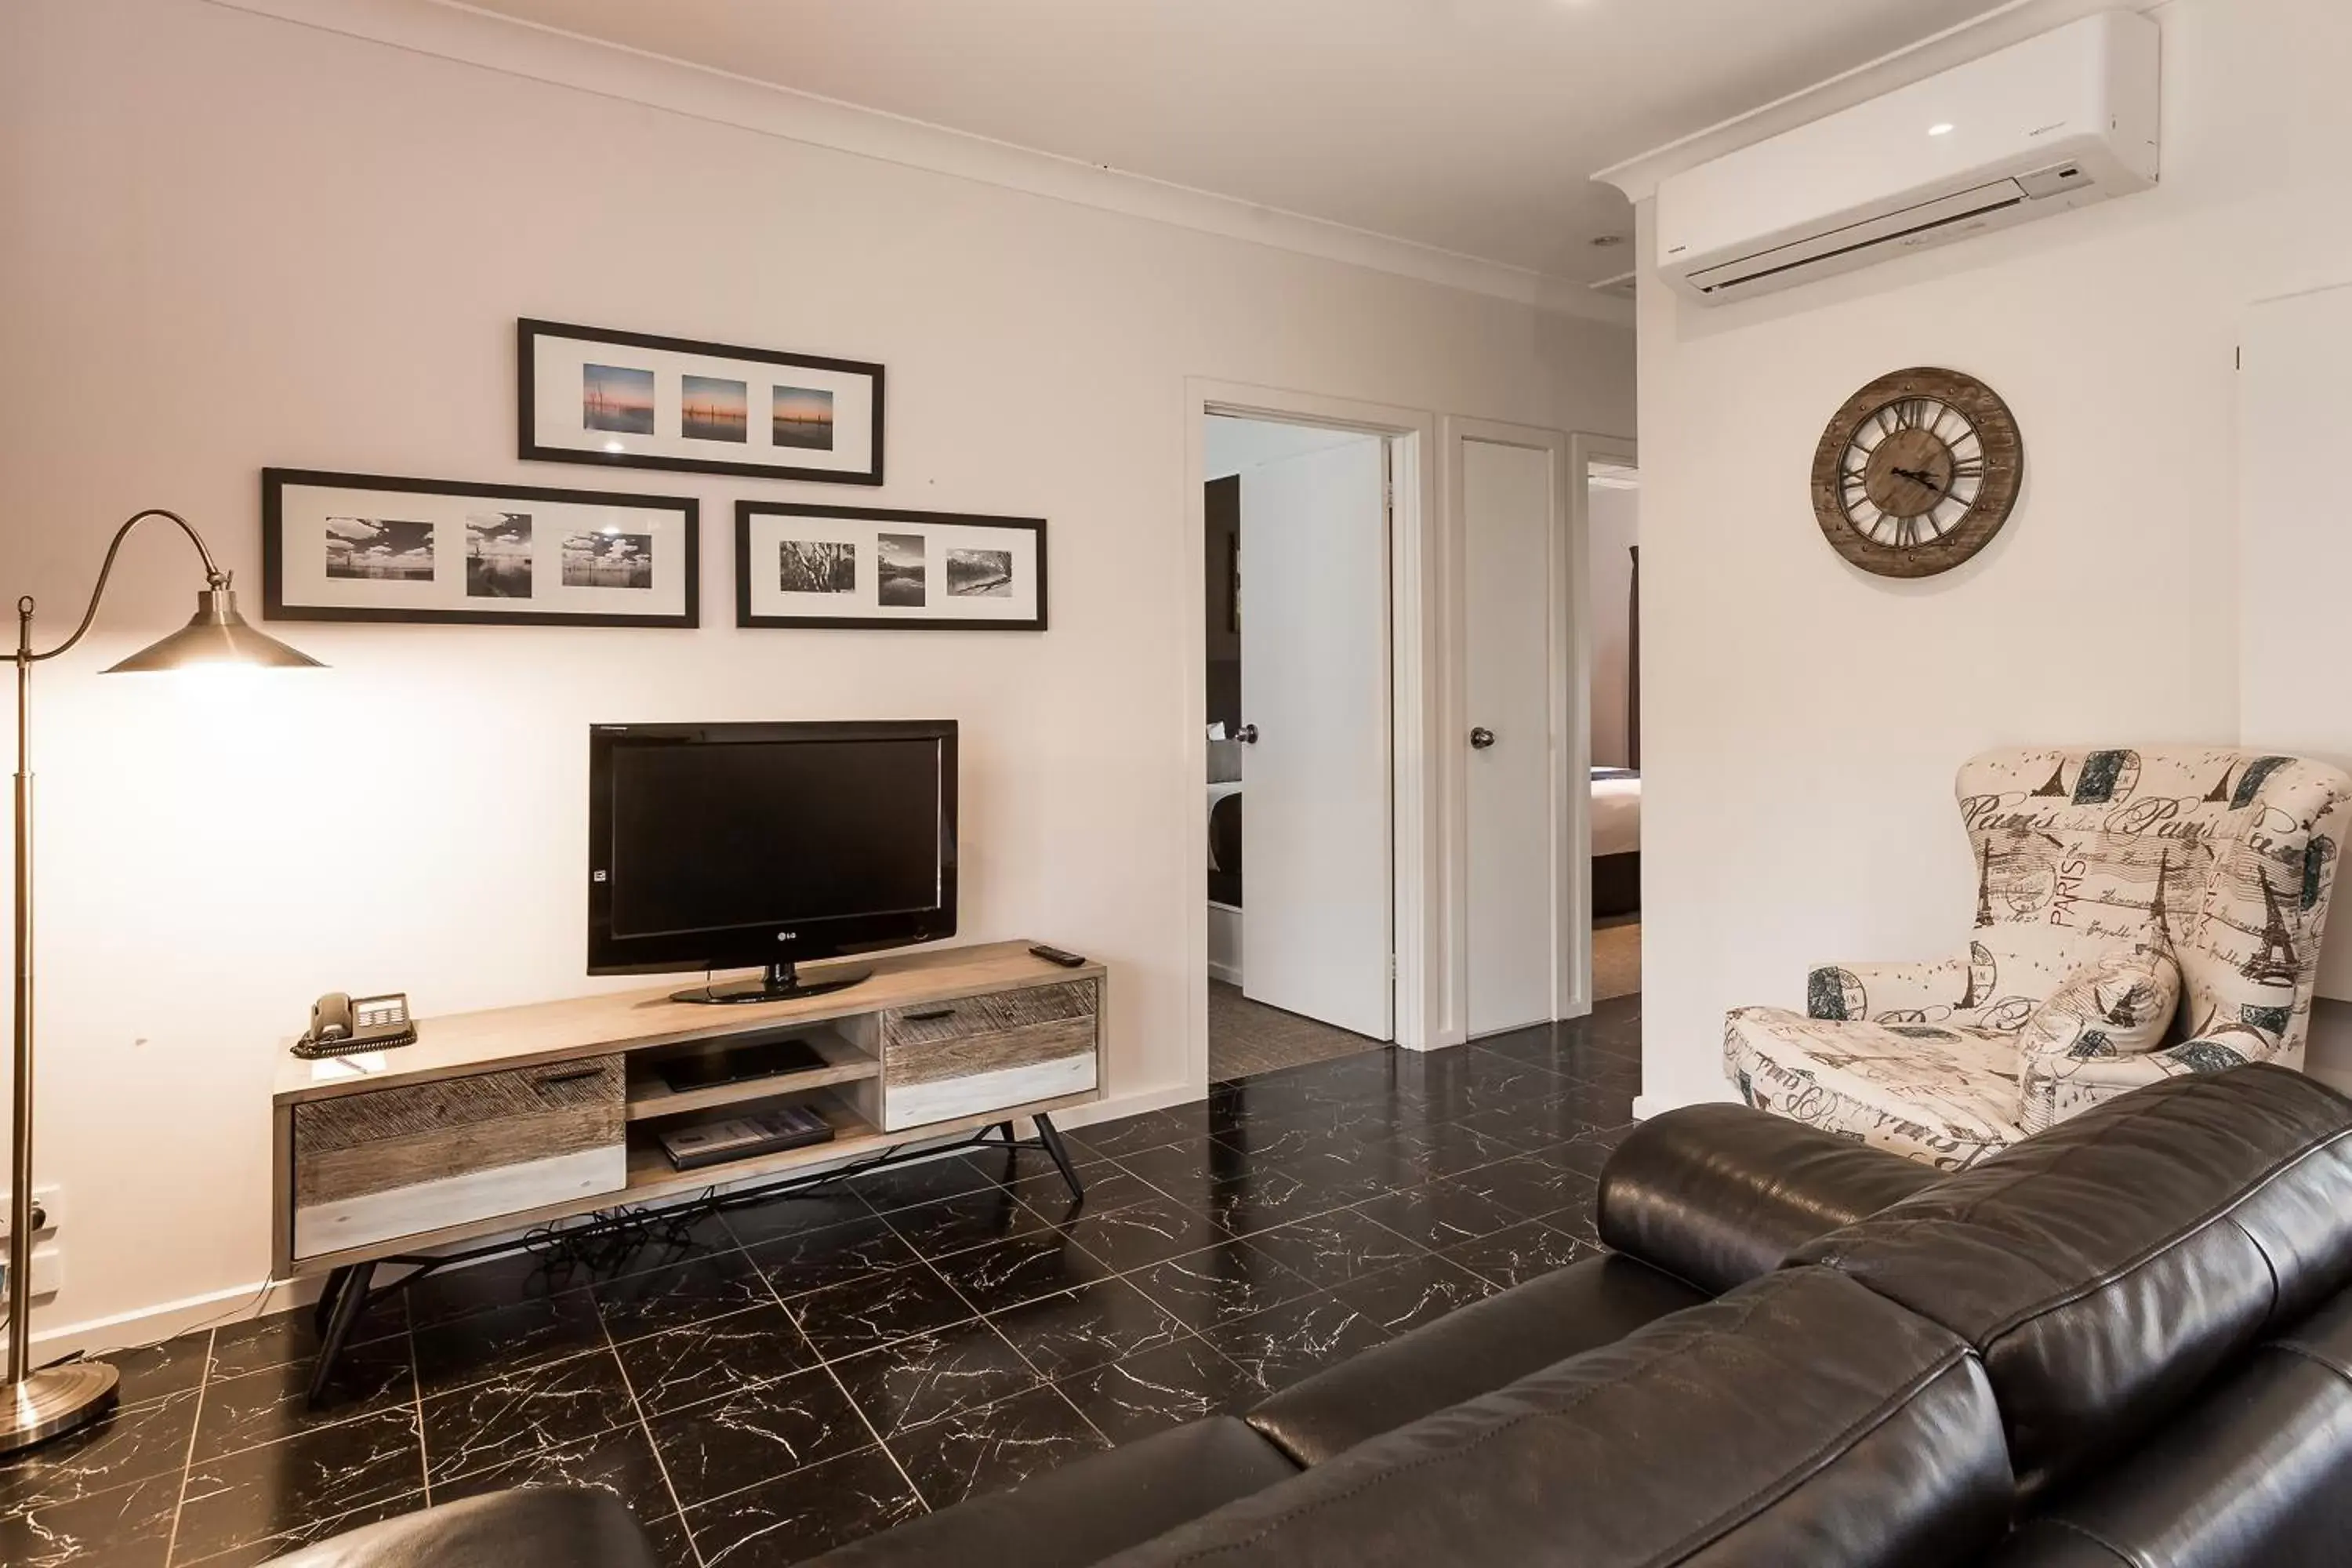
point(365, 547)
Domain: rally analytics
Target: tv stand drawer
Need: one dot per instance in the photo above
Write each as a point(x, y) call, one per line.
point(393, 1161)
point(983, 1053)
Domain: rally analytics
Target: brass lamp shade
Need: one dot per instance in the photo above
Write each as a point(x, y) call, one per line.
point(218, 635)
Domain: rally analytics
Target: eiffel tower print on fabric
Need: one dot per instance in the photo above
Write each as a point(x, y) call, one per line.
point(2057, 785)
point(1984, 886)
point(2274, 964)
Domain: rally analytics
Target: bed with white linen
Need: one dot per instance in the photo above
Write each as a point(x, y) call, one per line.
point(1616, 841)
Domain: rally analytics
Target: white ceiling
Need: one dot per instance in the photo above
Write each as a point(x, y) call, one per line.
point(1470, 125)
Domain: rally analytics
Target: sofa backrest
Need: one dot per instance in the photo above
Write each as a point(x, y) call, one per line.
point(1799, 1419)
point(2107, 1268)
point(1718, 1195)
point(2257, 1472)
point(2234, 851)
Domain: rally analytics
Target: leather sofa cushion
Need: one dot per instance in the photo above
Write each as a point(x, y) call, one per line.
point(2107, 1268)
point(1721, 1434)
point(1718, 1195)
point(549, 1527)
point(1468, 1353)
point(2256, 1474)
point(1084, 1511)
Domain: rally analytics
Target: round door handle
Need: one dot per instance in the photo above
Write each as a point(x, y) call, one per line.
point(1481, 738)
point(1246, 735)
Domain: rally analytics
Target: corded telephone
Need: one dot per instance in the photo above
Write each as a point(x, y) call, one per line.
point(341, 1025)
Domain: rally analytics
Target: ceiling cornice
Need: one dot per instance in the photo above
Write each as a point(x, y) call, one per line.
point(2003, 24)
point(452, 31)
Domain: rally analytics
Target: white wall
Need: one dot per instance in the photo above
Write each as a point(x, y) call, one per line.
point(1803, 720)
point(1614, 516)
point(246, 242)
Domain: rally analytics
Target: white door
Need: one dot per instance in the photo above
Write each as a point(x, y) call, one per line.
point(1315, 782)
point(1507, 510)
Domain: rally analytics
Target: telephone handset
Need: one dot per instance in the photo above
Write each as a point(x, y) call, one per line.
point(341, 1025)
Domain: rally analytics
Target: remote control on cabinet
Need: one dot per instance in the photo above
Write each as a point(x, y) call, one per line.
point(1055, 955)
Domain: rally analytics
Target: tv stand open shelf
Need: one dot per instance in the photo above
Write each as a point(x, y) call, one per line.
point(648, 1096)
point(494, 1122)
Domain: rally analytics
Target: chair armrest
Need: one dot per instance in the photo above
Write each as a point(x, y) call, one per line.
point(546, 1527)
point(2051, 1088)
point(1718, 1195)
point(1858, 990)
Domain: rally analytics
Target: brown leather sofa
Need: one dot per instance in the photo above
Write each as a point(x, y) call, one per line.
point(2128, 1340)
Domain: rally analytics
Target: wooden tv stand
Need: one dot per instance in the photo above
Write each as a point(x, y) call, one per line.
point(497, 1121)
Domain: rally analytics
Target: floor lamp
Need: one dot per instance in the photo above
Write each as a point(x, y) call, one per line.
point(38, 1406)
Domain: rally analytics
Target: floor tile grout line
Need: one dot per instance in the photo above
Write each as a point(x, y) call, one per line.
point(855, 1408)
point(416, 1393)
point(645, 1427)
point(188, 1455)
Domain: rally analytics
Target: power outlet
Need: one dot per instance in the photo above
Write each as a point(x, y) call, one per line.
point(47, 1198)
point(48, 1272)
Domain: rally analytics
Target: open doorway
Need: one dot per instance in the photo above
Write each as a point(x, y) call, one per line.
point(1296, 572)
point(1613, 503)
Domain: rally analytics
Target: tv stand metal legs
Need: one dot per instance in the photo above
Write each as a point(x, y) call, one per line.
point(350, 1289)
point(339, 1307)
point(1052, 1138)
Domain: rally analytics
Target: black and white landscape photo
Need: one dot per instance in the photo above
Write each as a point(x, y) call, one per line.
point(713, 408)
point(818, 567)
point(497, 555)
point(608, 559)
point(382, 549)
point(378, 547)
point(802, 418)
point(899, 559)
point(979, 574)
point(616, 398)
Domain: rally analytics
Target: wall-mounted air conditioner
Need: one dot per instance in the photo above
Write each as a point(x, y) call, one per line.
point(2055, 123)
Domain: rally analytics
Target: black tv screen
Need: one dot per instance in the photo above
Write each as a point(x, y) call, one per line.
point(714, 846)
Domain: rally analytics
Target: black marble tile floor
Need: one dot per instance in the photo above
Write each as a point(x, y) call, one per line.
point(813, 1369)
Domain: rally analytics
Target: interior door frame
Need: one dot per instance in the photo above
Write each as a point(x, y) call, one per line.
point(1567, 638)
point(1585, 450)
point(1426, 1008)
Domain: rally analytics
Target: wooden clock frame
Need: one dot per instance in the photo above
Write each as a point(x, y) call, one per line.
point(2004, 473)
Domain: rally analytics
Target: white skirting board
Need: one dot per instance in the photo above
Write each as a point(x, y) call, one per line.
point(919, 1104)
point(455, 1200)
point(1224, 942)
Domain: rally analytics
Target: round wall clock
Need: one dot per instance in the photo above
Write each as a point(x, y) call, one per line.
point(1918, 472)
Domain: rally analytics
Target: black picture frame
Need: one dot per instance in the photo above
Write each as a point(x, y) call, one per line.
point(746, 510)
point(530, 448)
point(275, 483)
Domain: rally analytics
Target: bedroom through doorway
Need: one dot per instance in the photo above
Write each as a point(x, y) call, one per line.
point(1299, 763)
point(1612, 513)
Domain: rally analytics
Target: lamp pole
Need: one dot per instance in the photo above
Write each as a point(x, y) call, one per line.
point(20, 1105)
point(36, 1405)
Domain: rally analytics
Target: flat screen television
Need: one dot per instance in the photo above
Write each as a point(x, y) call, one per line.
point(723, 846)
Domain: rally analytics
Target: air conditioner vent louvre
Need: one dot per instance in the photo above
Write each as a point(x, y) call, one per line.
point(1743, 276)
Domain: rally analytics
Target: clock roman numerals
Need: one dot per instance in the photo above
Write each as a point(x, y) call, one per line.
point(1917, 472)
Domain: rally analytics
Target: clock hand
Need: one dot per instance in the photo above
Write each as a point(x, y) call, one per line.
point(1918, 477)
